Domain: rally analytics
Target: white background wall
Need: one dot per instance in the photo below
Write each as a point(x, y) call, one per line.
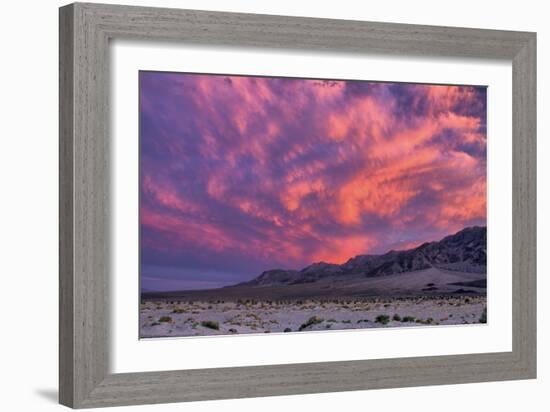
point(28, 206)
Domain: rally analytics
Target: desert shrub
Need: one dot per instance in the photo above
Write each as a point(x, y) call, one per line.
point(178, 311)
point(346, 321)
point(155, 324)
point(287, 330)
point(397, 318)
point(383, 319)
point(165, 319)
point(408, 319)
point(232, 330)
point(211, 324)
point(332, 320)
point(311, 321)
point(483, 317)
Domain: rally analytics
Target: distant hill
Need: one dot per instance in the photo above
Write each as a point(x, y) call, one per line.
point(465, 251)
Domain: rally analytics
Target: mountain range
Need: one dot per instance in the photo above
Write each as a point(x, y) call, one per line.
point(464, 251)
point(454, 265)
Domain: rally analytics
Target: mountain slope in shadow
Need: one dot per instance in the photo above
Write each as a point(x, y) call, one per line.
point(465, 251)
point(455, 265)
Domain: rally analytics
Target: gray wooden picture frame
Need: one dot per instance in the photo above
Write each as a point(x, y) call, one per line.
point(85, 31)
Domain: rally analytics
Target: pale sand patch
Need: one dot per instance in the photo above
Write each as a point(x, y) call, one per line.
point(199, 318)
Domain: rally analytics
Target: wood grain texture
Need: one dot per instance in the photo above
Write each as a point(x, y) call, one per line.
point(83, 305)
point(85, 31)
point(66, 228)
point(524, 212)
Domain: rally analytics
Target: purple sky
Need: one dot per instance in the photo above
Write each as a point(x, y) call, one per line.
point(245, 174)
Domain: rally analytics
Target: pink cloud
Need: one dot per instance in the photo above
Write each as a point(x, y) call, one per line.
point(299, 170)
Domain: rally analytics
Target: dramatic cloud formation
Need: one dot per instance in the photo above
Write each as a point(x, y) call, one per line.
point(245, 174)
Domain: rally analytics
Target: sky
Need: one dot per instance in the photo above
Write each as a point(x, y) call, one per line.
point(242, 174)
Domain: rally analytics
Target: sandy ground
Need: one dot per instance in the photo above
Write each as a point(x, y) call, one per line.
point(429, 282)
point(165, 318)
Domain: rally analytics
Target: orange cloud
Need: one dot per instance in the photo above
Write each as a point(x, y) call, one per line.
point(290, 170)
point(343, 248)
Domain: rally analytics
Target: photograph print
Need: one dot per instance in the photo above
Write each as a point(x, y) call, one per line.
point(293, 205)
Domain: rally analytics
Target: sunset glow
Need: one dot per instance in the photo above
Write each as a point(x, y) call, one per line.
point(243, 174)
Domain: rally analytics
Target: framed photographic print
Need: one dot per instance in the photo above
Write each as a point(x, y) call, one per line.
point(283, 204)
point(230, 182)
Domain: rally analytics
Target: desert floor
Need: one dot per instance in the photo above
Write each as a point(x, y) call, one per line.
point(170, 318)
